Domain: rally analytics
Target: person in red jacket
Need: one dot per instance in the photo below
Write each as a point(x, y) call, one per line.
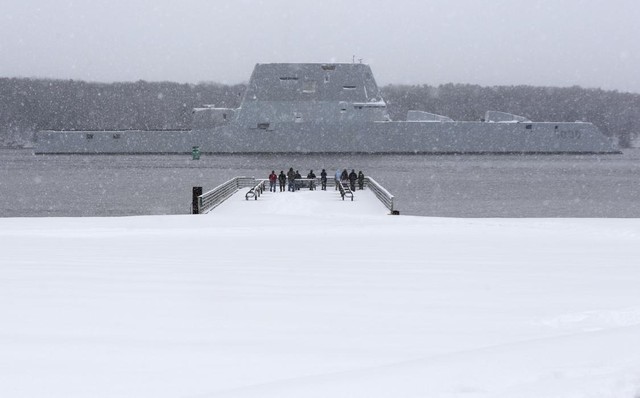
point(273, 178)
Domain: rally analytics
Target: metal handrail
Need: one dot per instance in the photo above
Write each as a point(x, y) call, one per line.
point(213, 198)
point(256, 190)
point(382, 194)
point(313, 182)
point(345, 191)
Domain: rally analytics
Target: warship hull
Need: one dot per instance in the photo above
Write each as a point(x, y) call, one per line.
point(375, 137)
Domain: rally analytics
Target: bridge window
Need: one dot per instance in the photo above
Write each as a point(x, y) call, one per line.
point(116, 136)
point(288, 81)
point(328, 67)
point(309, 86)
point(263, 126)
point(89, 136)
point(528, 126)
point(348, 87)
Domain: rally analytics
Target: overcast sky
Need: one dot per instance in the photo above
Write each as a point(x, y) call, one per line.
point(488, 42)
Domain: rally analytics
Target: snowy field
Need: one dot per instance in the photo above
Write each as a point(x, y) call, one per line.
point(304, 295)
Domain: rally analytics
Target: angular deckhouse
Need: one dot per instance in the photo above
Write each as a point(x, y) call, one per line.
point(332, 108)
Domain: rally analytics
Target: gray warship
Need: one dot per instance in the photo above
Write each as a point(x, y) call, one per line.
point(331, 108)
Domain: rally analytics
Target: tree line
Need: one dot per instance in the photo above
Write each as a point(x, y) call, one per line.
point(29, 105)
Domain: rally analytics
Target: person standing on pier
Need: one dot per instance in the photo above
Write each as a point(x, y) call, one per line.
point(323, 180)
point(282, 178)
point(360, 180)
point(312, 183)
point(291, 176)
point(297, 177)
point(273, 177)
point(352, 179)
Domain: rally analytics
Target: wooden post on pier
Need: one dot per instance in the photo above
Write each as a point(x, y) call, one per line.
point(197, 191)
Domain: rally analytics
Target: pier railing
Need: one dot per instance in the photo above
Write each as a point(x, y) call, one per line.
point(382, 194)
point(213, 198)
point(256, 190)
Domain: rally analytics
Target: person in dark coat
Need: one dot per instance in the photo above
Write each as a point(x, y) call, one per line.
point(282, 179)
point(360, 180)
point(323, 180)
point(352, 180)
point(291, 176)
point(344, 177)
point(312, 183)
point(297, 183)
point(273, 178)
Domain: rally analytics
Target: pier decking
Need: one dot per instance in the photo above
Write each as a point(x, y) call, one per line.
point(302, 203)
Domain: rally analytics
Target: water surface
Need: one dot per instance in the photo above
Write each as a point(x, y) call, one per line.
point(426, 185)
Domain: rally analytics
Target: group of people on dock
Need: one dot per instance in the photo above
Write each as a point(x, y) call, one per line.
point(293, 180)
point(351, 178)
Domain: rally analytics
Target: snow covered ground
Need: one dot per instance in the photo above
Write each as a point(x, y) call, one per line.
point(305, 295)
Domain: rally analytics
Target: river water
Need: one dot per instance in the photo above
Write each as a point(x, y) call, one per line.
point(426, 185)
